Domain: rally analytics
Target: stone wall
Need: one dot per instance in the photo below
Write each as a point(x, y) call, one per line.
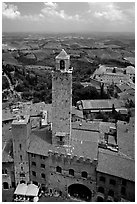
point(61, 104)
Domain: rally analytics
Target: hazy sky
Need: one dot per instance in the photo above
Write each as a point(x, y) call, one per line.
point(68, 16)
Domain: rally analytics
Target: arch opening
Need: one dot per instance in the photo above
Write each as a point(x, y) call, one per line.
point(22, 181)
point(100, 199)
point(80, 191)
point(5, 185)
point(62, 64)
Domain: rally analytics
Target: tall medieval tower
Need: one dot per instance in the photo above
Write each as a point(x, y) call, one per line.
point(61, 100)
point(21, 129)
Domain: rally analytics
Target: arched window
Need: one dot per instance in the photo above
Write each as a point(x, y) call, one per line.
point(43, 175)
point(5, 185)
point(71, 172)
point(22, 175)
point(4, 171)
point(84, 174)
point(62, 64)
point(58, 169)
point(101, 189)
point(111, 193)
point(22, 181)
point(100, 199)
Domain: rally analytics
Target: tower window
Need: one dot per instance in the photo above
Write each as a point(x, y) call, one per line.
point(43, 166)
point(71, 172)
point(58, 169)
point(33, 173)
point(84, 174)
point(4, 171)
point(20, 146)
point(62, 64)
point(42, 175)
point(33, 155)
point(43, 157)
point(60, 140)
point(33, 163)
point(22, 175)
point(21, 157)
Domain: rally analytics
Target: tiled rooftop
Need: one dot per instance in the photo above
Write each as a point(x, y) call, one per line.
point(101, 104)
point(126, 138)
point(114, 164)
point(87, 126)
point(40, 141)
point(83, 143)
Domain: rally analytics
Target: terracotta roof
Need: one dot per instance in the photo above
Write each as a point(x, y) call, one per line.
point(116, 165)
point(62, 55)
point(84, 143)
point(101, 104)
point(86, 126)
point(126, 137)
point(40, 141)
point(77, 112)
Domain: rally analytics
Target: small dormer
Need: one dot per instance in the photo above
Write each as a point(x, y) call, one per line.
point(63, 61)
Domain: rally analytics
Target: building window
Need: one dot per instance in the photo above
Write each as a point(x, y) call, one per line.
point(123, 191)
point(33, 173)
point(124, 182)
point(5, 185)
point(22, 181)
point(43, 157)
point(84, 174)
point(22, 175)
point(58, 169)
point(71, 172)
point(111, 193)
point(43, 166)
point(101, 189)
point(33, 163)
point(60, 140)
point(4, 171)
point(42, 175)
point(112, 182)
point(35, 182)
point(62, 64)
point(21, 157)
point(103, 179)
point(20, 146)
point(21, 168)
point(33, 155)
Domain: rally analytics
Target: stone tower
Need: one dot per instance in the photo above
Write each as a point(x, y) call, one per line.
point(61, 100)
point(21, 129)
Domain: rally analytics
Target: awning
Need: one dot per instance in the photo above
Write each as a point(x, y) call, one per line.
point(32, 190)
point(21, 189)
